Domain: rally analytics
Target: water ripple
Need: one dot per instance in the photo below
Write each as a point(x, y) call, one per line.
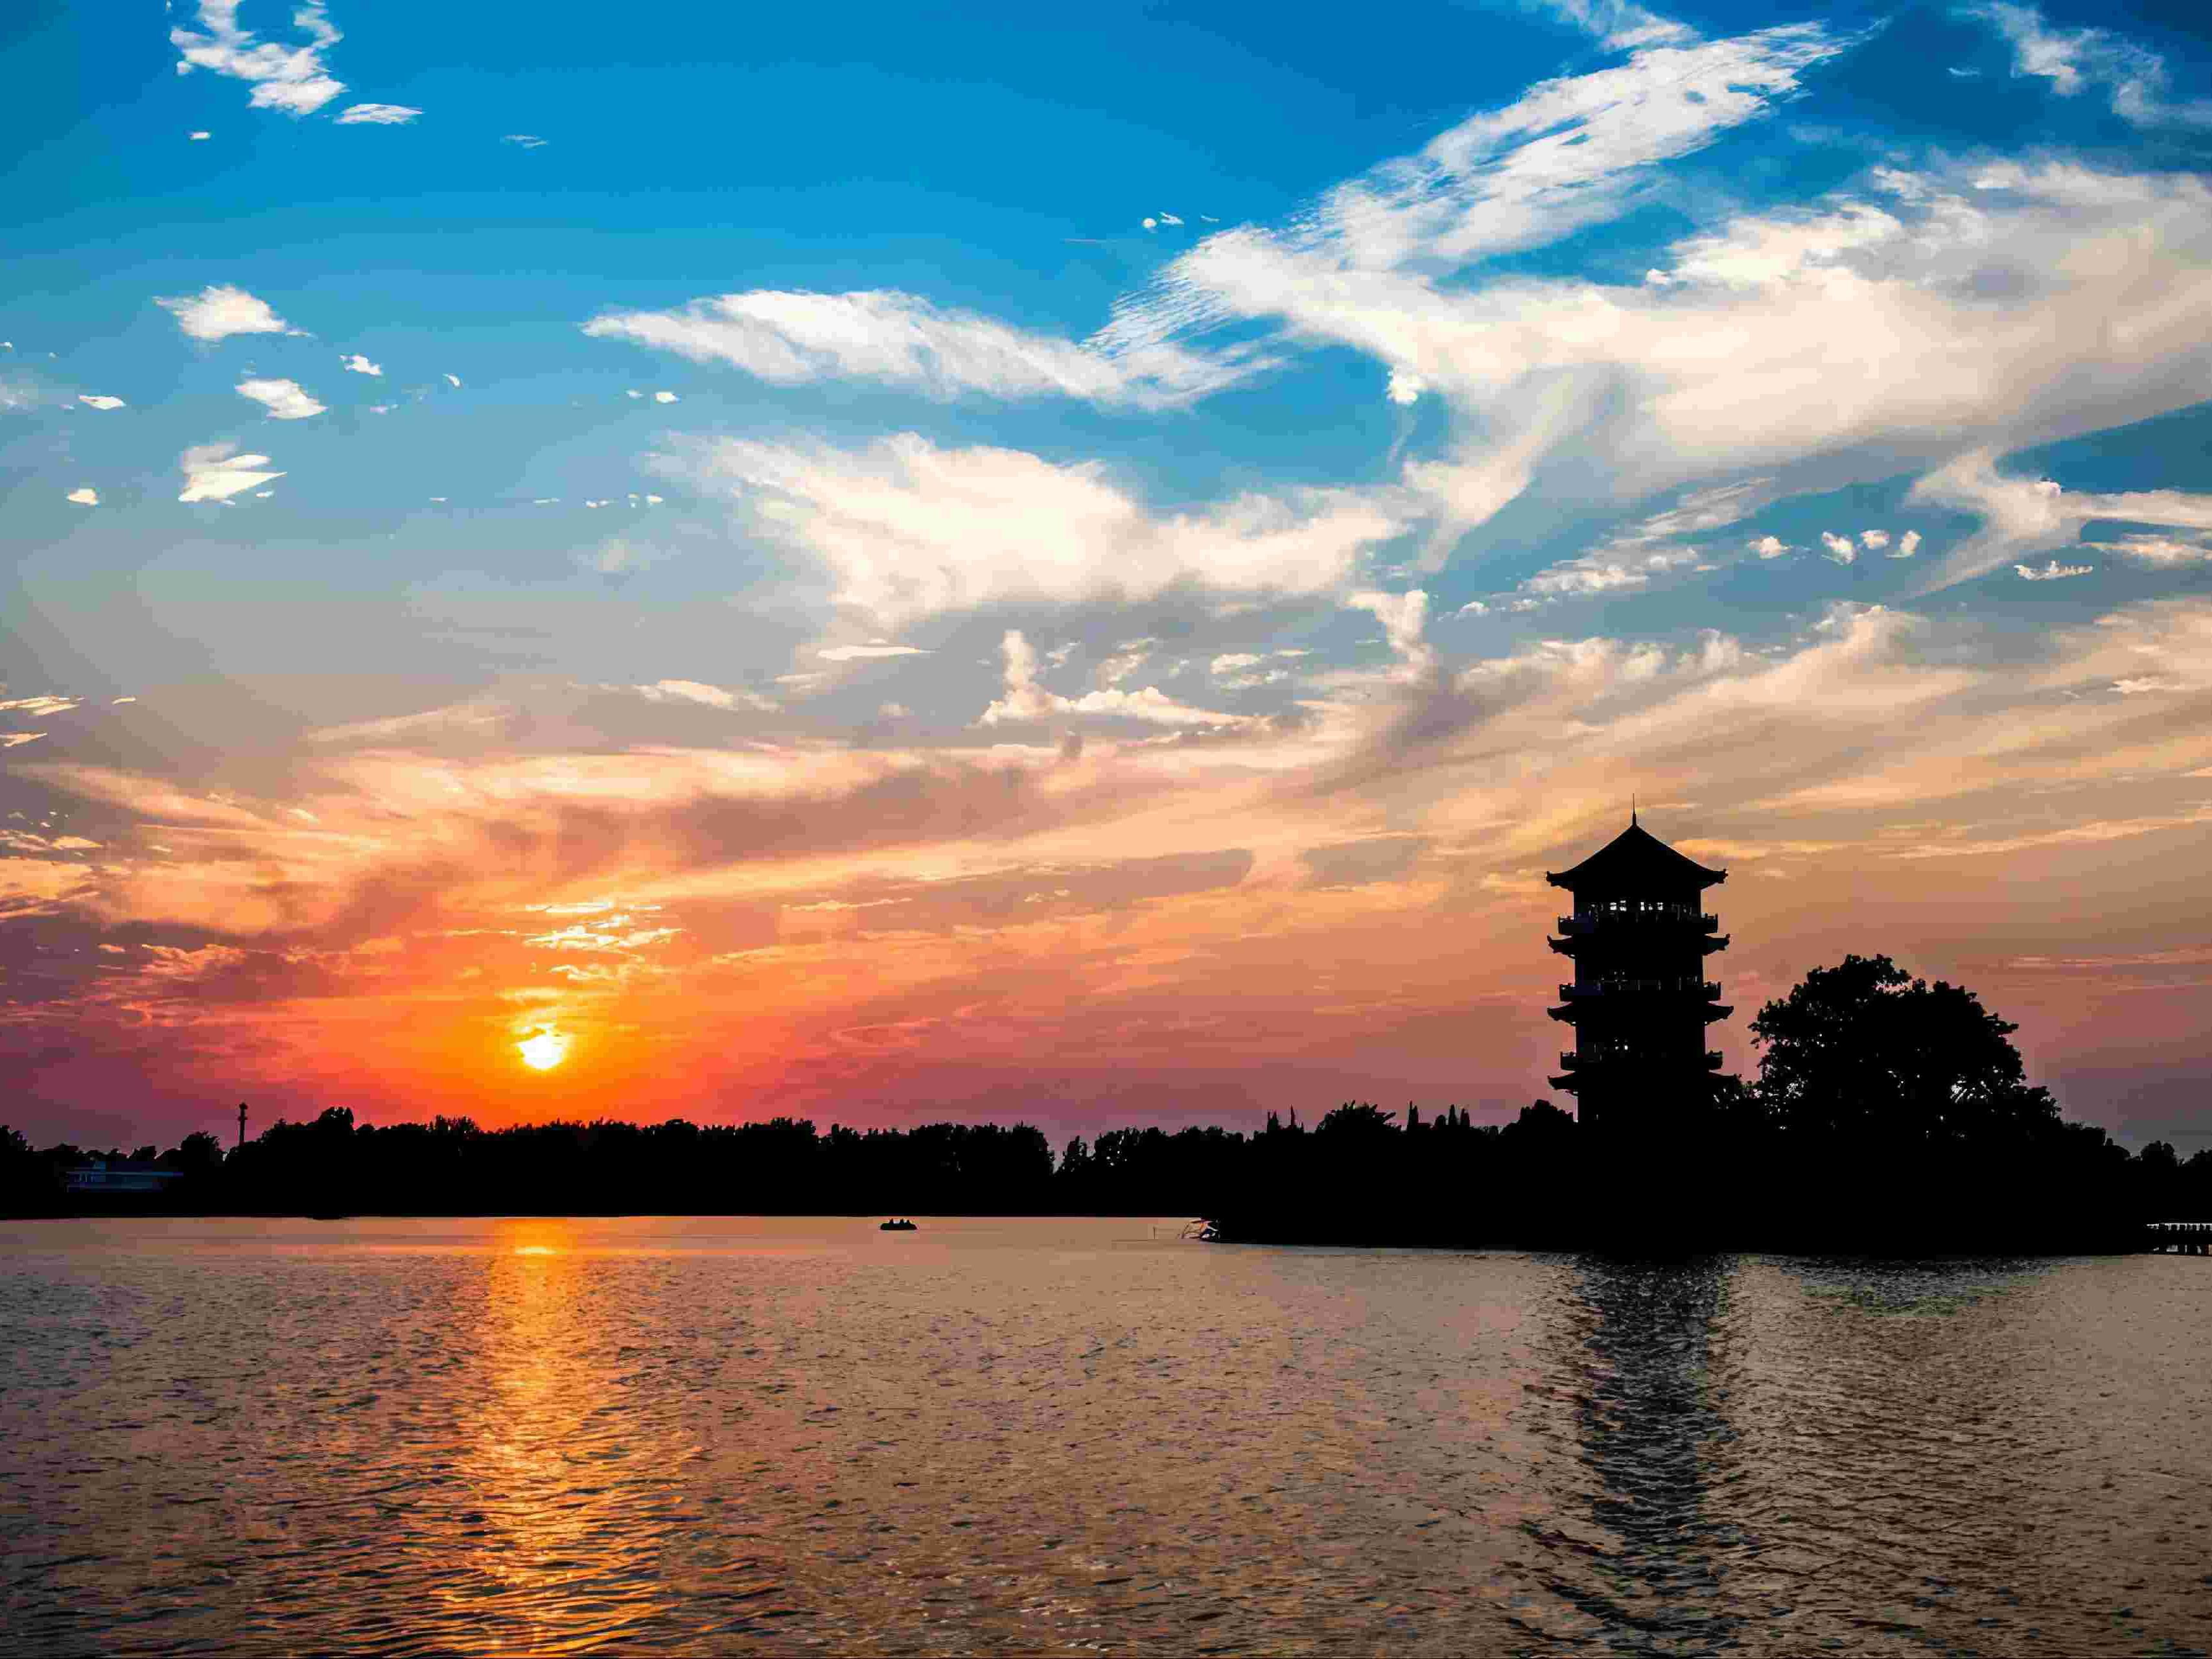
point(461, 1437)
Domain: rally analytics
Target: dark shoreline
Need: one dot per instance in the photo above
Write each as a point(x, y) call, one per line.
point(1649, 1240)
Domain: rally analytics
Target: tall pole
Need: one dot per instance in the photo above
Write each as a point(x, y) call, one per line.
point(241, 1123)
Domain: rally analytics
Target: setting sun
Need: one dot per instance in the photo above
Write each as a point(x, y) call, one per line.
point(544, 1049)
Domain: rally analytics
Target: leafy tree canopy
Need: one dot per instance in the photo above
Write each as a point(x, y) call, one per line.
point(1865, 1051)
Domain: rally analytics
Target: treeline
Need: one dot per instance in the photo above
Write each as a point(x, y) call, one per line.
point(1731, 1168)
point(331, 1164)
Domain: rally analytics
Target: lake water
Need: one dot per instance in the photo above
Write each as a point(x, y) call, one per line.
point(785, 1435)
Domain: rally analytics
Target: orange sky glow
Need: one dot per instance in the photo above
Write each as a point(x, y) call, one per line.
point(1349, 904)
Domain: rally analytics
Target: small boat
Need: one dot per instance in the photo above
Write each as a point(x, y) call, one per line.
point(897, 1227)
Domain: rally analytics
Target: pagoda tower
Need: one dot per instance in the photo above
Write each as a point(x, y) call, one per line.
point(1639, 1001)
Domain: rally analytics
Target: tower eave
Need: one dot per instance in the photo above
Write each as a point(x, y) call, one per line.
point(1634, 855)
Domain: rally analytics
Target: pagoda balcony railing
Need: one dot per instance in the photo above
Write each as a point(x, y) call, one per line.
point(1571, 1061)
point(1703, 921)
point(1690, 985)
point(1580, 1062)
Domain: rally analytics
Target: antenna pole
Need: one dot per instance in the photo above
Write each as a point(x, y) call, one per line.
point(241, 1123)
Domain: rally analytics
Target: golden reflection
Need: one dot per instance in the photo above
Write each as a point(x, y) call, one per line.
point(535, 1460)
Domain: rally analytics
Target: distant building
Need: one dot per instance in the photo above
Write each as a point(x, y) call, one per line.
point(120, 1175)
point(1639, 1002)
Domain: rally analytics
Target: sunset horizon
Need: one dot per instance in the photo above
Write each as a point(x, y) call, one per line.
point(1138, 828)
point(746, 594)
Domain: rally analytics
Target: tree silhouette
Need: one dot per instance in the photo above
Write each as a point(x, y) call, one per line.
point(1864, 1052)
point(1357, 1119)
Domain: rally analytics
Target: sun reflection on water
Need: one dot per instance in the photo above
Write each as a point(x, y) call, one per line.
point(564, 1495)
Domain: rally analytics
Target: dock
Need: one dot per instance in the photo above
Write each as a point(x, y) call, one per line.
point(2179, 1237)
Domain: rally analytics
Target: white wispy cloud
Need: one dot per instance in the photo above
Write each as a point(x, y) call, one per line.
point(360, 364)
point(1618, 24)
point(873, 649)
point(1839, 341)
point(788, 338)
point(907, 529)
point(1562, 157)
point(2031, 515)
point(1841, 548)
point(97, 402)
point(1608, 570)
point(285, 400)
point(219, 311)
point(291, 78)
point(85, 497)
point(1404, 619)
point(1652, 547)
point(377, 115)
point(2133, 78)
point(711, 697)
point(1026, 701)
point(523, 140)
point(2156, 549)
point(2052, 571)
point(216, 473)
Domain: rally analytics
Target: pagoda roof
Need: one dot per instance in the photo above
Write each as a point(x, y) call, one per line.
point(1632, 859)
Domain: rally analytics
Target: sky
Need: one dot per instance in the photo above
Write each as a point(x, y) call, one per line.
point(1080, 564)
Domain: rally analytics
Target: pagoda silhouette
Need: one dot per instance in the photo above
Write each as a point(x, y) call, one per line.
point(1639, 1001)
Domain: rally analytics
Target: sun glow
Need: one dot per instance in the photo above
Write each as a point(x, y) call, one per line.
point(544, 1049)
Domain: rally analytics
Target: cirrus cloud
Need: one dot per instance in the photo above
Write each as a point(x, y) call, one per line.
point(907, 529)
point(377, 115)
point(883, 335)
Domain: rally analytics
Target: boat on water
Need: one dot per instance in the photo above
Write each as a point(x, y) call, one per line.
point(897, 1227)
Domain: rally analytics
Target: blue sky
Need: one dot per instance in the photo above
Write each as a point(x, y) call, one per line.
point(1254, 434)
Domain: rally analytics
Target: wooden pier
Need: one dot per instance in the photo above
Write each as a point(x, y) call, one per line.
point(2179, 1237)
